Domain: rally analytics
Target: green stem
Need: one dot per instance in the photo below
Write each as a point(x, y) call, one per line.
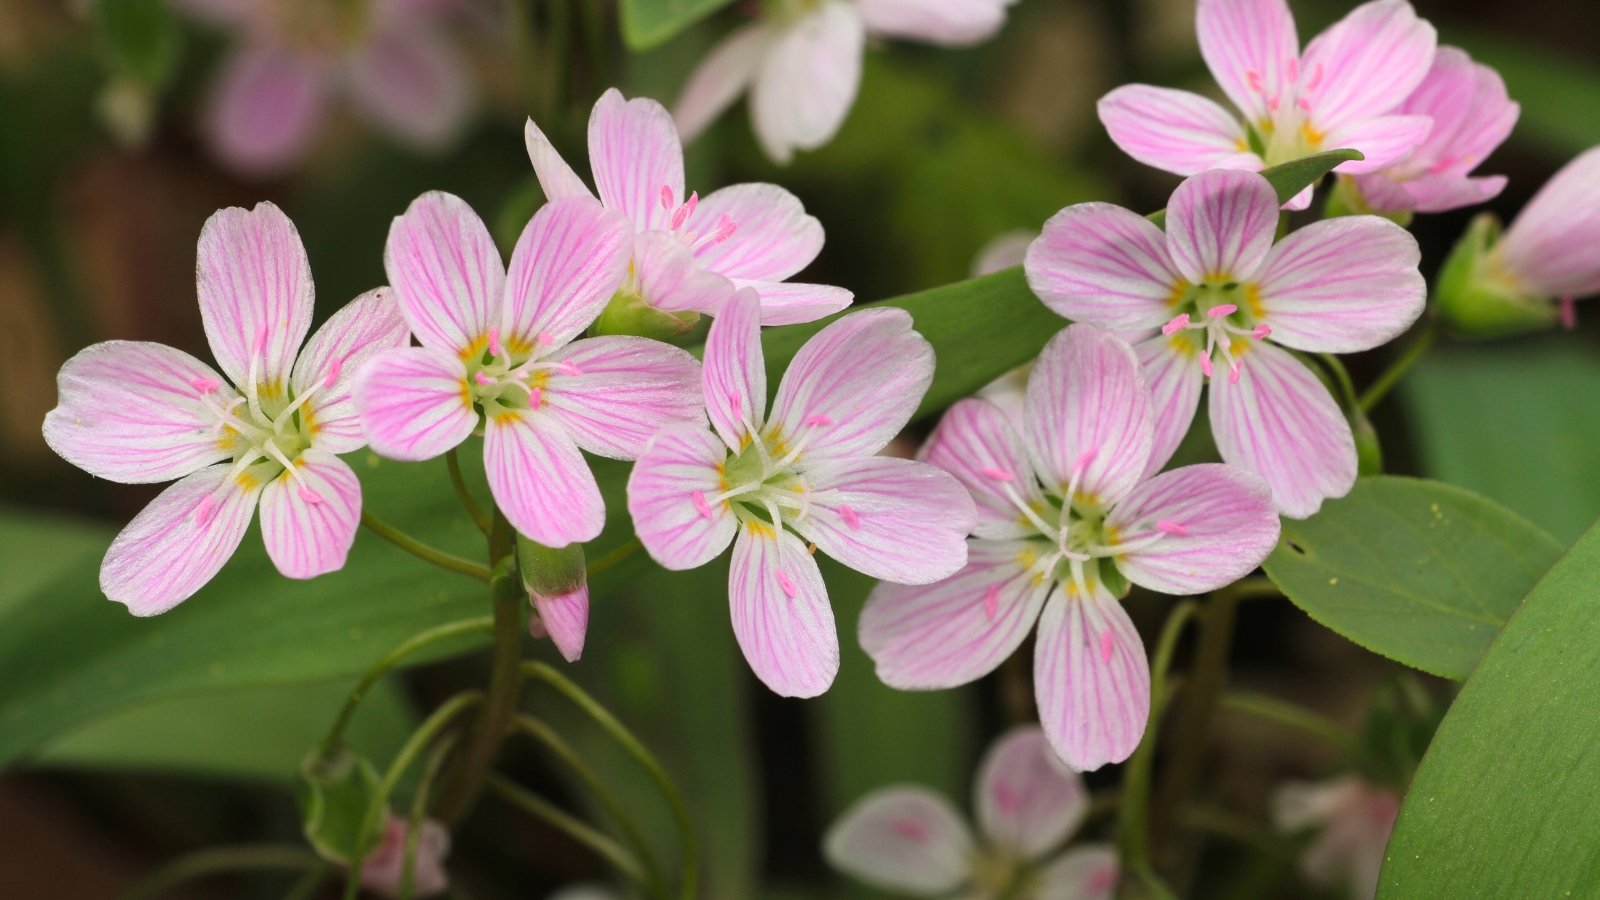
point(566, 823)
point(419, 809)
point(1341, 377)
point(422, 551)
point(1391, 376)
point(614, 557)
point(479, 517)
point(310, 886)
point(641, 755)
point(217, 860)
point(1271, 709)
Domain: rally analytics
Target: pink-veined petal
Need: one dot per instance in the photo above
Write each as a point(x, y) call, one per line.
point(671, 497)
point(1442, 193)
point(255, 293)
point(929, 637)
point(266, 109)
point(414, 403)
point(1175, 131)
point(976, 443)
point(1174, 377)
point(180, 541)
point(948, 23)
point(1549, 247)
point(1104, 265)
point(894, 519)
point(1088, 419)
point(1279, 422)
point(721, 77)
point(1004, 251)
point(853, 386)
point(1087, 872)
point(446, 272)
point(556, 178)
point(1471, 113)
point(1027, 801)
point(383, 871)
point(1383, 140)
point(621, 390)
point(1366, 64)
point(134, 412)
point(792, 303)
point(569, 261)
point(540, 480)
point(413, 83)
point(1217, 523)
point(309, 518)
point(769, 234)
point(1251, 48)
point(637, 159)
point(327, 368)
point(1220, 226)
point(1343, 285)
point(781, 614)
point(807, 80)
point(1091, 678)
point(735, 373)
point(671, 279)
point(902, 838)
point(565, 618)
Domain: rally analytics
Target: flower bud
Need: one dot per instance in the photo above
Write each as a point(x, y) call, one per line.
point(1369, 452)
point(557, 582)
point(1479, 298)
point(336, 787)
point(628, 313)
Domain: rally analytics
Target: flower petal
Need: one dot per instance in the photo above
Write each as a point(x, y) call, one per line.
point(132, 411)
point(1172, 371)
point(948, 634)
point(1086, 872)
point(565, 618)
point(720, 78)
point(1367, 63)
point(1343, 285)
point(625, 390)
point(791, 303)
point(384, 869)
point(672, 280)
point(1175, 131)
point(1383, 141)
point(365, 327)
point(735, 374)
point(1279, 422)
point(1549, 248)
point(414, 403)
point(670, 493)
point(853, 386)
point(1251, 48)
point(180, 541)
point(569, 261)
point(540, 480)
point(1088, 419)
point(1439, 193)
point(309, 522)
point(637, 159)
point(781, 614)
point(1225, 526)
point(1027, 801)
point(975, 442)
point(413, 83)
point(1003, 251)
point(1220, 225)
point(1471, 112)
point(902, 838)
point(267, 107)
point(556, 178)
point(772, 236)
point(807, 80)
point(1104, 265)
point(893, 519)
point(1091, 679)
point(446, 272)
point(950, 23)
point(255, 293)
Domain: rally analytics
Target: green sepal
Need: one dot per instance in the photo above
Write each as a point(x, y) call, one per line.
point(1346, 199)
point(628, 313)
point(1369, 450)
point(336, 788)
point(551, 571)
point(1477, 300)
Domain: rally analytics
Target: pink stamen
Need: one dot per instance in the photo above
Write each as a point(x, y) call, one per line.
point(995, 474)
point(701, 506)
point(1291, 70)
point(568, 368)
point(1178, 323)
point(789, 588)
point(666, 196)
point(991, 602)
point(482, 379)
point(735, 399)
point(1261, 331)
point(694, 202)
point(685, 211)
point(1569, 313)
point(1233, 372)
point(910, 829)
point(310, 496)
point(1167, 526)
point(1107, 645)
point(333, 372)
point(1205, 364)
point(1083, 461)
point(1226, 309)
point(544, 339)
point(725, 229)
point(260, 345)
point(1253, 78)
point(1303, 103)
point(495, 349)
point(204, 385)
point(1273, 103)
point(205, 509)
point(818, 420)
point(535, 398)
point(850, 518)
point(1316, 78)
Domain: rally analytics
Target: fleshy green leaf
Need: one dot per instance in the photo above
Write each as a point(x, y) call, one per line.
point(1507, 800)
point(1419, 571)
point(647, 23)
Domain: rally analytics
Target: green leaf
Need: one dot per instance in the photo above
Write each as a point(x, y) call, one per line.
point(1292, 177)
point(1507, 800)
point(647, 23)
point(140, 39)
point(1419, 571)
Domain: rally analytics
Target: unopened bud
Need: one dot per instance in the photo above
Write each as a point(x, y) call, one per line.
point(629, 313)
point(557, 582)
point(1479, 298)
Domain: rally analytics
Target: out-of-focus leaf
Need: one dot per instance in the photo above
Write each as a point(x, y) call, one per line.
point(1419, 571)
point(1556, 93)
point(1507, 800)
point(140, 39)
point(646, 23)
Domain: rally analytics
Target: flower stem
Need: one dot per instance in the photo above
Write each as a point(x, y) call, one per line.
point(217, 860)
point(614, 557)
point(479, 517)
point(1391, 376)
point(1341, 377)
point(419, 809)
point(566, 823)
point(1271, 709)
point(422, 551)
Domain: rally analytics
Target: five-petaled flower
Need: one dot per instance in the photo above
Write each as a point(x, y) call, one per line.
point(908, 839)
point(806, 474)
point(139, 412)
point(690, 254)
point(498, 351)
point(802, 63)
point(1067, 517)
point(1343, 92)
point(1218, 287)
point(1353, 817)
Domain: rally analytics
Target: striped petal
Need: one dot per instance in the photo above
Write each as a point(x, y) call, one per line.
point(1220, 226)
point(1172, 372)
point(255, 293)
point(1091, 679)
point(807, 80)
point(309, 518)
point(717, 82)
point(1367, 63)
point(1089, 872)
point(950, 23)
point(336, 353)
point(1175, 131)
point(791, 303)
point(565, 618)
point(781, 615)
point(903, 839)
point(1549, 247)
point(735, 374)
point(1027, 801)
point(1217, 523)
point(975, 442)
point(1251, 48)
point(1104, 265)
point(569, 260)
point(620, 391)
point(540, 480)
point(414, 403)
point(637, 159)
point(1343, 285)
point(556, 178)
point(670, 497)
point(446, 272)
point(771, 238)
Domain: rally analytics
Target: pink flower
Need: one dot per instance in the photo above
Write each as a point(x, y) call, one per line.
point(1343, 91)
point(1067, 516)
point(137, 412)
point(802, 63)
point(391, 57)
point(383, 871)
point(1218, 287)
point(690, 255)
point(908, 839)
point(1549, 250)
point(498, 352)
point(806, 474)
point(1354, 818)
point(1471, 117)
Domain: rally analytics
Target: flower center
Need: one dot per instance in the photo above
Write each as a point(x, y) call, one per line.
point(695, 235)
point(1219, 317)
point(509, 376)
point(1287, 133)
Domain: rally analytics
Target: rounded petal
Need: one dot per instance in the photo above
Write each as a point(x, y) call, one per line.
point(1279, 422)
point(180, 541)
point(1549, 248)
point(781, 614)
point(893, 519)
point(133, 412)
point(336, 353)
point(1091, 679)
point(565, 618)
point(807, 80)
point(1172, 371)
point(1367, 63)
point(1104, 265)
point(556, 178)
point(1471, 112)
point(671, 279)
point(625, 389)
point(637, 159)
point(568, 263)
point(413, 84)
point(720, 78)
point(1220, 225)
point(902, 838)
point(670, 493)
point(1027, 801)
point(735, 373)
point(1443, 193)
point(1217, 523)
point(853, 386)
point(944, 635)
point(1343, 285)
point(1088, 419)
point(267, 107)
point(1251, 48)
point(540, 480)
point(1004, 251)
point(1088, 872)
point(1175, 131)
point(309, 522)
point(975, 442)
point(255, 293)
point(446, 273)
point(414, 403)
point(1383, 141)
point(772, 236)
point(384, 870)
point(950, 23)
point(789, 303)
